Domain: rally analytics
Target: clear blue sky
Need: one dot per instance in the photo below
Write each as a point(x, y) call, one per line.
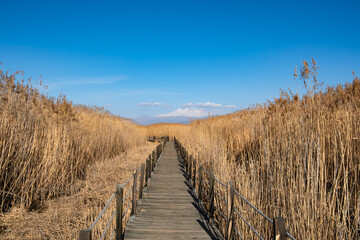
point(121, 54)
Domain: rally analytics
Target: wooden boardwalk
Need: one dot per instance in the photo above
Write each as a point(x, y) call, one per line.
point(169, 208)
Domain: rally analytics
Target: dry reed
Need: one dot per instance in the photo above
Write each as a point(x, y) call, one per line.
point(295, 158)
point(47, 143)
point(63, 217)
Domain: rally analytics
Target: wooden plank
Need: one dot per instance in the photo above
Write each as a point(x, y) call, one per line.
point(169, 209)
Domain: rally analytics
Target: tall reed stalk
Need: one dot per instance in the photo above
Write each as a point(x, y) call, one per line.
point(295, 158)
point(47, 143)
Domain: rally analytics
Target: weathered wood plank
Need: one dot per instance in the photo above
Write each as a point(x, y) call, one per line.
point(169, 208)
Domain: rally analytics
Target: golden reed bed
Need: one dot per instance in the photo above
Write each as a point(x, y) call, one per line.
point(296, 157)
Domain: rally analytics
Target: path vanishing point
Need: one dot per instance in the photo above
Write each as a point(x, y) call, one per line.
point(169, 208)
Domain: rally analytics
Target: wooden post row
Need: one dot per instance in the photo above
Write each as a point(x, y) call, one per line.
point(279, 228)
point(230, 207)
point(119, 211)
point(146, 169)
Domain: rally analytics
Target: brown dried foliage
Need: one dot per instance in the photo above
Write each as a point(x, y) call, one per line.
point(295, 158)
point(47, 143)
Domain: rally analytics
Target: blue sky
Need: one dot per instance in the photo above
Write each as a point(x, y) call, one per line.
point(154, 57)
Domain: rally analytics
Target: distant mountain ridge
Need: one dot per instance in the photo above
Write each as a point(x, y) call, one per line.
point(180, 115)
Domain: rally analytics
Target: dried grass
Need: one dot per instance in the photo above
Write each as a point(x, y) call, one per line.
point(46, 144)
point(63, 217)
point(295, 158)
point(54, 169)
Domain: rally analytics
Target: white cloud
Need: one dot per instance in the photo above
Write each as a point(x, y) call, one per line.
point(154, 104)
point(208, 105)
point(229, 106)
point(186, 112)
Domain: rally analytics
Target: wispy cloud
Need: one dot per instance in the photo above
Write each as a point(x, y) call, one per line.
point(208, 105)
point(186, 112)
point(86, 80)
point(229, 106)
point(153, 104)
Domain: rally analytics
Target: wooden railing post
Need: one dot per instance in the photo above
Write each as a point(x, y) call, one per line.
point(155, 158)
point(133, 208)
point(200, 182)
point(141, 185)
point(85, 234)
point(119, 210)
point(154, 161)
point(184, 157)
point(211, 183)
point(151, 164)
point(157, 152)
point(230, 207)
point(181, 152)
point(279, 232)
point(190, 167)
point(194, 173)
point(147, 170)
